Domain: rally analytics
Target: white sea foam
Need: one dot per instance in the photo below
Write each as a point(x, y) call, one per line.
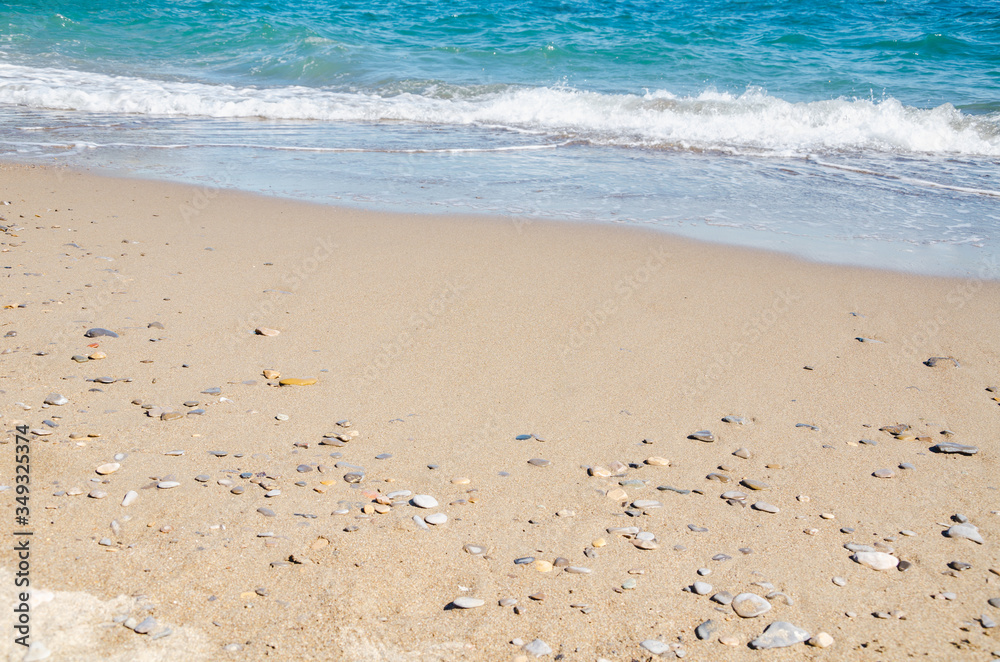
point(753, 122)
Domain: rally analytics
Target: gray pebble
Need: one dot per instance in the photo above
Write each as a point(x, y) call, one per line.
point(763, 506)
point(539, 462)
point(266, 512)
point(701, 588)
point(56, 399)
point(966, 531)
point(951, 447)
point(723, 598)
point(706, 629)
point(466, 602)
point(702, 435)
point(655, 647)
point(97, 332)
point(987, 621)
point(750, 605)
point(994, 602)
point(538, 648)
point(424, 501)
point(697, 529)
point(146, 626)
point(779, 635)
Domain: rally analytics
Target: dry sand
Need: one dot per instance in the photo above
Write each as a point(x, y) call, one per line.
point(442, 339)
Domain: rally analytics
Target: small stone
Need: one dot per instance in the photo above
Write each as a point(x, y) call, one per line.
point(839, 581)
point(765, 507)
point(655, 647)
point(753, 484)
point(436, 518)
point(821, 640)
point(97, 494)
point(598, 471)
point(130, 498)
point(424, 501)
point(733, 495)
point(875, 560)
point(155, 325)
point(944, 361)
point(966, 531)
point(645, 544)
point(105, 542)
point(723, 598)
point(994, 602)
point(750, 605)
point(742, 452)
point(466, 602)
point(986, 621)
point(617, 494)
point(295, 381)
point(702, 435)
point(56, 399)
point(779, 635)
point(98, 332)
point(697, 529)
point(701, 588)
point(171, 416)
point(646, 504)
point(80, 358)
point(538, 648)
point(706, 629)
point(167, 484)
point(266, 512)
point(884, 473)
point(539, 462)
point(355, 477)
point(952, 447)
point(729, 640)
point(147, 625)
point(657, 461)
point(37, 652)
point(264, 331)
point(108, 468)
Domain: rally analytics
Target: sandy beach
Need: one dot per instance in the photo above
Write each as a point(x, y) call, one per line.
point(546, 384)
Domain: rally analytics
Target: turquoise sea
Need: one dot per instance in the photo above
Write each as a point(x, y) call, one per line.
point(863, 132)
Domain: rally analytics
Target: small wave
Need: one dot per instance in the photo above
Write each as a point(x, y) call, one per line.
point(750, 123)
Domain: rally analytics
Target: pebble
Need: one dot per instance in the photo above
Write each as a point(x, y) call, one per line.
point(424, 501)
point(266, 512)
point(779, 635)
point(105, 542)
point(875, 560)
point(466, 602)
point(701, 588)
point(994, 602)
point(706, 629)
point(655, 647)
point(884, 473)
point(80, 358)
point(539, 462)
point(753, 484)
point(742, 452)
point(538, 648)
point(821, 640)
point(729, 640)
point(357, 477)
point(98, 332)
point(130, 498)
point(763, 506)
point(702, 435)
point(295, 381)
point(436, 518)
point(281, 417)
point(646, 504)
point(37, 651)
point(617, 494)
point(657, 461)
point(147, 625)
point(952, 447)
point(839, 581)
point(264, 331)
point(966, 531)
point(697, 529)
point(108, 468)
point(167, 484)
point(750, 605)
point(97, 494)
point(986, 621)
point(56, 399)
point(723, 598)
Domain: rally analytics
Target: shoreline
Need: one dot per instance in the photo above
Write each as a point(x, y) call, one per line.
point(883, 256)
point(443, 340)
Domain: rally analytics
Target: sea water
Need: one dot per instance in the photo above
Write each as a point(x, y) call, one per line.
point(862, 132)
